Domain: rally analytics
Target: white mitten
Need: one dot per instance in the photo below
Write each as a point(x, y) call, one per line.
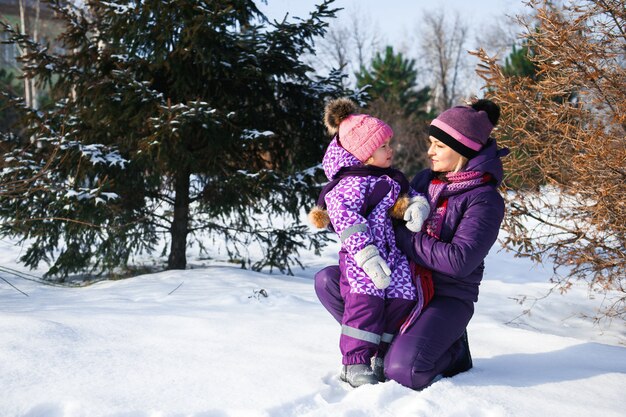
point(374, 266)
point(416, 213)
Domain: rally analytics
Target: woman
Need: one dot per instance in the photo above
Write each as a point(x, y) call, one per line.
point(466, 212)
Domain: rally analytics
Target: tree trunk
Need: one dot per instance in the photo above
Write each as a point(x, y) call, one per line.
point(177, 258)
point(33, 88)
point(30, 89)
point(27, 83)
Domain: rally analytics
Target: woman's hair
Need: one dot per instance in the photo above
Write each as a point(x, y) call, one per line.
point(461, 164)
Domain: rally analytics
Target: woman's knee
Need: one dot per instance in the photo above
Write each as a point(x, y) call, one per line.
point(401, 358)
point(423, 374)
point(416, 358)
point(410, 370)
point(398, 367)
point(412, 361)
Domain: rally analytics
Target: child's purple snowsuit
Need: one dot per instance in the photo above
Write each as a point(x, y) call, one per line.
point(371, 315)
point(432, 345)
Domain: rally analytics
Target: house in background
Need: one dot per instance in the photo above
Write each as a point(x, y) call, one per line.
point(41, 24)
point(38, 20)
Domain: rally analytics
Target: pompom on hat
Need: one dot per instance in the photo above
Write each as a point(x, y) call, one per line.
point(359, 134)
point(466, 129)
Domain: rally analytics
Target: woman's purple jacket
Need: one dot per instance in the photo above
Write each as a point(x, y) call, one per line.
point(470, 228)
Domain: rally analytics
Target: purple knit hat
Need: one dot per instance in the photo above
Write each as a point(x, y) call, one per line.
point(464, 129)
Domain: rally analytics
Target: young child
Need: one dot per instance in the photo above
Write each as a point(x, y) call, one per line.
point(376, 282)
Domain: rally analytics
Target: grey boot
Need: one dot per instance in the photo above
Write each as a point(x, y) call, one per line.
point(357, 375)
point(378, 367)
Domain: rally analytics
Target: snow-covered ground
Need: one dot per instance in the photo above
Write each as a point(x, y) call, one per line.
point(206, 342)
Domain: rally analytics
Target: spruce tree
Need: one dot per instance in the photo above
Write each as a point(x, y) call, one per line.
point(391, 81)
point(393, 78)
point(204, 120)
point(8, 88)
point(518, 63)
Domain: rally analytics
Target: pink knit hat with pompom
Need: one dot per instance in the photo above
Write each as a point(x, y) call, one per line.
point(359, 134)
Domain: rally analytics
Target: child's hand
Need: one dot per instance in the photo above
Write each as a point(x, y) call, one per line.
point(416, 213)
point(374, 266)
point(378, 270)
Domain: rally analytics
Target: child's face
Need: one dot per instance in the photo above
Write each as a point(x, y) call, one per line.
point(382, 157)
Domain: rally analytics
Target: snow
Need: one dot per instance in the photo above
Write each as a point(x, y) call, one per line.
point(252, 134)
point(97, 153)
point(87, 194)
point(205, 342)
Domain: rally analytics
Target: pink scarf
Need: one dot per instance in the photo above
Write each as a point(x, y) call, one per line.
point(453, 183)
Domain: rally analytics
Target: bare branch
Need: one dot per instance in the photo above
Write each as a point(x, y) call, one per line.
point(566, 128)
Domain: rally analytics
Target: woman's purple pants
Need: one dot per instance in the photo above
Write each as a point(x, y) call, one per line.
point(431, 347)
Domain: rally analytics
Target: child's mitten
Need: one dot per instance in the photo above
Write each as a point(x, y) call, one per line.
point(416, 213)
point(374, 266)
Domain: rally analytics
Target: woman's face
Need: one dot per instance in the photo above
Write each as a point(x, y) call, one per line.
point(442, 157)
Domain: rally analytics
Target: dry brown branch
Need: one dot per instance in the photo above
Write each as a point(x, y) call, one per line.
point(567, 133)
